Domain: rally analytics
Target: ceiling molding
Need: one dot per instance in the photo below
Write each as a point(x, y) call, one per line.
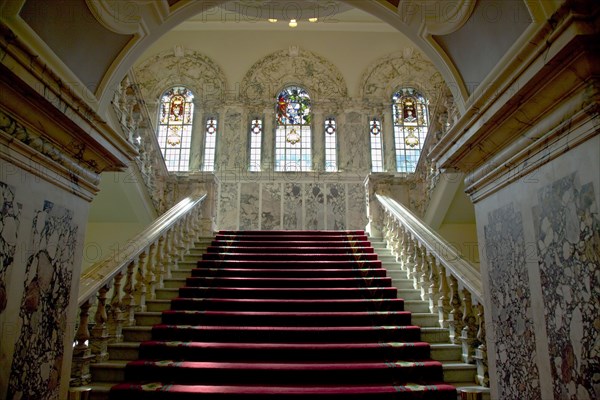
point(118, 17)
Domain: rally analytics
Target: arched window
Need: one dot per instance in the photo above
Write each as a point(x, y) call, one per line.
point(256, 130)
point(411, 122)
point(376, 145)
point(176, 115)
point(330, 145)
point(293, 133)
point(210, 145)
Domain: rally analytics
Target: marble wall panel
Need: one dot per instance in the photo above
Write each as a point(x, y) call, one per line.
point(357, 213)
point(228, 206)
point(9, 227)
point(292, 206)
point(38, 355)
point(315, 205)
point(511, 313)
point(231, 157)
point(249, 206)
point(567, 230)
point(336, 206)
point(271, 206)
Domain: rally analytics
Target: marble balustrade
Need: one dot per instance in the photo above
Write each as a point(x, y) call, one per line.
point(113, 290)
point(447, 281)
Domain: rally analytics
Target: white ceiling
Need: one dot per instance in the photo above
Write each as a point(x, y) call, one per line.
point(254, 14)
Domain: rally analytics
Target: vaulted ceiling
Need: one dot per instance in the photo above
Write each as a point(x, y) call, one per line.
point(91, 44)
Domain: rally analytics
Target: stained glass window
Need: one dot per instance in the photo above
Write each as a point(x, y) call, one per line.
point(176, 115)
point(376, 145)
point(410, 113)
point(293, 133)
point(256, 130)
point(210, 145)
point(330, 145)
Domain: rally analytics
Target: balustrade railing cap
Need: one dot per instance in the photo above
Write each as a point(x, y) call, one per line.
point(101, 273)
point(466, 273)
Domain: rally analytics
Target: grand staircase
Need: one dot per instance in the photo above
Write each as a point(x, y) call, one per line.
point(294, 314)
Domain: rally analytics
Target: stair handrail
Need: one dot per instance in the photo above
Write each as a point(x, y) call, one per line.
point(104, 271)
point(118, 286)
point(465, 272)
point(448, 282)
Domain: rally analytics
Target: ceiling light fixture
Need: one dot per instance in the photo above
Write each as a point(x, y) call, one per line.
point(293, 23)
point(313, 19)
point(272, 19)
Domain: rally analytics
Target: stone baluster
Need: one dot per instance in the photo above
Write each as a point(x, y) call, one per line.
point(163, 258)
point(180, 242)
point(455, 323)
point(187, 237)
point(116, 317)
point(141, 289)
point(469, 330)
point(417, 264)
point(483, 377)
point(403, 247)
point(434, 284)
point(129, 290)
point(150, 268)
point(387, 228)
point(410, 257)
point(425, 271)
point(175, 248)
point(394, 239)
point(99, 337)
point(444, 307)
point(82, 354)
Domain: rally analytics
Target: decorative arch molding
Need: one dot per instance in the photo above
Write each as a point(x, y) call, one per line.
point(294, 66)
point(439, 17)
point(407, 68)
point(203, 76)
point(119, 17)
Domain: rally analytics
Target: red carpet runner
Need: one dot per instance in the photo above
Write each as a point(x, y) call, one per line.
point(278, 315)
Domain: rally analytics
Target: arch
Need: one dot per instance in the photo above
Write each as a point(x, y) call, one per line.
point(197, 72)
point(408, 68)
point(293, 66)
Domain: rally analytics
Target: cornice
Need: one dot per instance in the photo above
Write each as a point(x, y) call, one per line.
point(545, 92)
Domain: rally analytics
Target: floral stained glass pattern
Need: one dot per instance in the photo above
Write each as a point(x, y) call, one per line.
point(293, 133)
point(175, 127)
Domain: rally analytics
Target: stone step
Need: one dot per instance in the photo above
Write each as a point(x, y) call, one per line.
point(148, 318)
point(409, 294)
point(129, 351)
point(124, 351)
point(108, 371)
point(180, 273)
point(158, 305)
point(446, 352)
point(175, 282)
point(435, 335)
point(416, 306)
point(114, 371)
point(166, 293)
point(137, 333)
point(459, 372)
point(425, 320)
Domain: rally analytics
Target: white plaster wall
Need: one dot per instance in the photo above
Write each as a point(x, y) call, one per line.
point(464, 238)
point(103, 240)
